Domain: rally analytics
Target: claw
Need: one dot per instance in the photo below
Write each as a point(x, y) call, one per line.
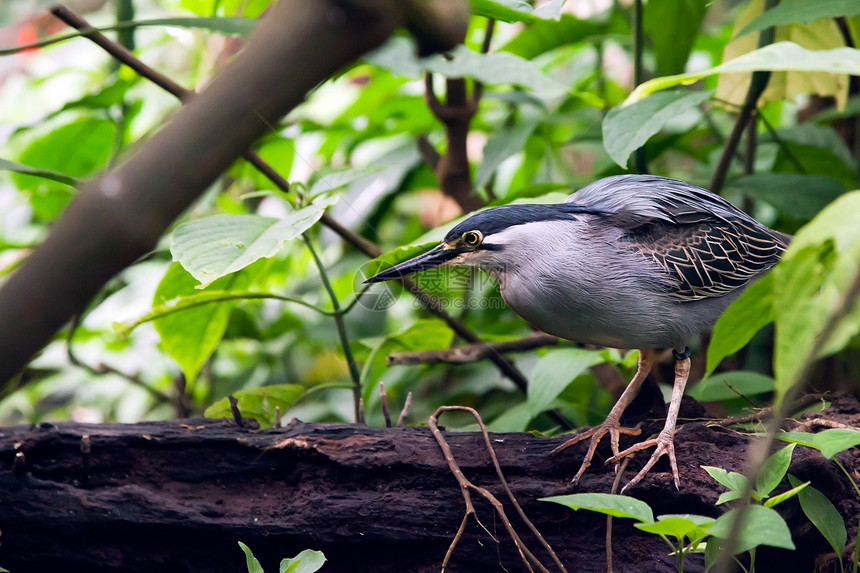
point(611, 427)
point(664, 443)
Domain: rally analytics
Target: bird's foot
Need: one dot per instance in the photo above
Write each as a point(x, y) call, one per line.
point(664, 443)
point(611, 427)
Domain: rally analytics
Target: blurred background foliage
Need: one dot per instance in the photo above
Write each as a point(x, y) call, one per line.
point(233, 300)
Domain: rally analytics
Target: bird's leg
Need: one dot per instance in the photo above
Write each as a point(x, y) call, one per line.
point(612, 424)
point(664, 442)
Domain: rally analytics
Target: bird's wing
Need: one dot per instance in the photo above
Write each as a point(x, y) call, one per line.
point(706, 245)
point(708, 258)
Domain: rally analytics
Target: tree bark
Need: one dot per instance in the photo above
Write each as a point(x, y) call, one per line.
point(178, 496)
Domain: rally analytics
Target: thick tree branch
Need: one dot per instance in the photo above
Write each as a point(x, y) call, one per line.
point(120, 216)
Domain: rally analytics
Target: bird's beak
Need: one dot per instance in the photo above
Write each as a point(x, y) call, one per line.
point(429, 260)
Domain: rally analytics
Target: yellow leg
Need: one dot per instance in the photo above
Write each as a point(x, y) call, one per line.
point(612, 424)
point(664, 442)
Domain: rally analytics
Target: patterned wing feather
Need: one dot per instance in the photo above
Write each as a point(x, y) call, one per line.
point(708, 258)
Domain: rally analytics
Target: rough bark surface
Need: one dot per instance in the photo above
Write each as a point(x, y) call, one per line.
point(177, 496)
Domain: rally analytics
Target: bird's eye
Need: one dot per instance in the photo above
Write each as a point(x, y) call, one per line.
point(472, 238)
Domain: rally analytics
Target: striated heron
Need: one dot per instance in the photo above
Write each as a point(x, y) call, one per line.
point(631, 261)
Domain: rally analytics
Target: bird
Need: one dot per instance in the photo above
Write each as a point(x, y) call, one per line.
point(629, 261)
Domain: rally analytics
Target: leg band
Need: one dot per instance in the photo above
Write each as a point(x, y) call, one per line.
point(681, 355)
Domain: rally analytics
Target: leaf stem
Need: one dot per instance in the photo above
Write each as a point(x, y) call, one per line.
point(341, 326)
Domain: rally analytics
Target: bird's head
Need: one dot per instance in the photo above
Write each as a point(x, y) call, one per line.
point(491, 239)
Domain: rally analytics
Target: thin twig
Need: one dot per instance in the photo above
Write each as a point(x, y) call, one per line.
point(383, 401)
point(341, 327)
point(466, 486)
point(471, 352)
point(640, 158)
point(404, 413)
point(758, 83)
point(234, 409)
point(104, 369)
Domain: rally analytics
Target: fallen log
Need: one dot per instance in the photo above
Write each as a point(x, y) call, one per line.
point(179, 495)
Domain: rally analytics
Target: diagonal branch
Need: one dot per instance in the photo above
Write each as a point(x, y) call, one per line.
point(120, 216)
point(471, 352)
point(362, 244)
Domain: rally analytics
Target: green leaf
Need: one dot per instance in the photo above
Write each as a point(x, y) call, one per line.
point(680, 526)
point(627, 127)
point(773, 471)
point(308, 561)
point(546, 35)
point(729, 385)
point(15, 167)
point(777, 499)
point(554, 371)
point(338, 179)
point(803, 11)
point(212, 247)
point(76, 149)
point(515, 10)
point(614, 505)
point(781, 56)
point(751, 312)
point(504, 143)
point(792, 194)
point(494, 69)
point(761, 526)
point(733, 480)
point(673, 26)
point(191, 336)
point(251, 561)
point(829, 442)
point(259, 403)
point(823, 515)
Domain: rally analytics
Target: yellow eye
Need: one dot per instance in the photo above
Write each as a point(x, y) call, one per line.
point(472, 238)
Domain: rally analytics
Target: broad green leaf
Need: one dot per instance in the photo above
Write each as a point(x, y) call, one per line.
point(308, 561)
point(514, 419)
point(554, 371)
point(192, 335)
point(810, 286)
point(782, 56)
point(783, 85)
point(610, 504)
point(673, 26)
point(545, 35)
point(278, 152)
point(628, 127)
point(504, 143)
point(680, 526)
point(761, 526)
point(212, 247)
point(259, 403)
point(792, 194)
point(777, 499)
point(495, 68)
point(202, 298)
point(729, 385)
point(339, 179)
point(423, 334)
point(803, 11)
point(773, 471)
point(516, 10)
point(251, 561)
point(823, 515)
point(76, 149)
point(15, 167)
point(733, 480)
point(829, 442)
point(751, 312)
